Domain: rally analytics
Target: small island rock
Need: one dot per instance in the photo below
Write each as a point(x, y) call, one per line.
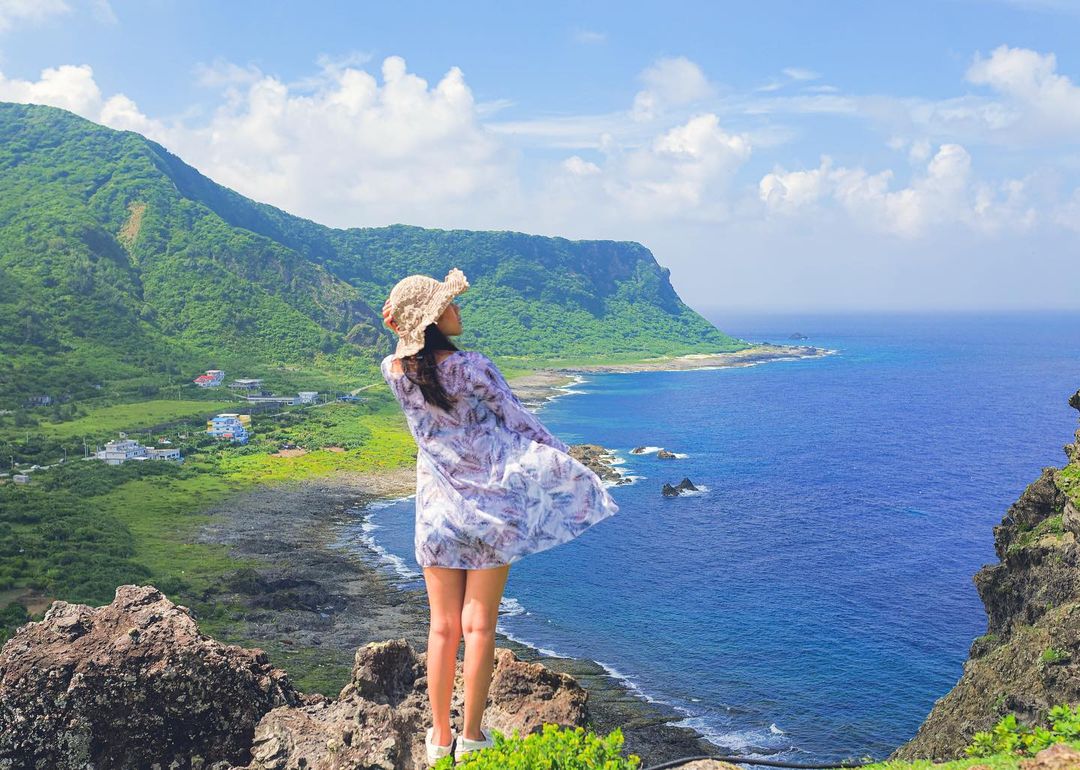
point(674, 491)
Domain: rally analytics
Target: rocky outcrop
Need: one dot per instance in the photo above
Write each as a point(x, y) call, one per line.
point(686, 485)
point(1060, 756)
point(134, 684)
point(1029, 659)
point(128, 685)
point(379, 719)
point(600, 461)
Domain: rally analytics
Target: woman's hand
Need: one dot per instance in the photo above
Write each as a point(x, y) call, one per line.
point(388, 316)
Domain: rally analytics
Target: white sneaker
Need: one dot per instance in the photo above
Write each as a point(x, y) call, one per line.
point(464, 745)
point(434, 751)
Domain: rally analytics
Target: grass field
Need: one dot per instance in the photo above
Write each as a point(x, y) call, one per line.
point(162, 516)
point(134, 417)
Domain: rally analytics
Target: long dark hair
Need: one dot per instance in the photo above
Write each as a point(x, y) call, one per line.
point(421, 367)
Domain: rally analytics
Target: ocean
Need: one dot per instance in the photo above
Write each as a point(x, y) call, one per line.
point(815, 598)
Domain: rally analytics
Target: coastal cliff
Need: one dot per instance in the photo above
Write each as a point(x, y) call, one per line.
point(1029, 658)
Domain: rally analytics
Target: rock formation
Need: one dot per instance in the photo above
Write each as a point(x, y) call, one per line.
point(134, 684)
point(1029, 659)
point(599, 460)
point(127, 685)
point(686, 485)
point(379, 719)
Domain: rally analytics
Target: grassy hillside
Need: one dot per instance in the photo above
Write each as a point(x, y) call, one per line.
point(124, 270)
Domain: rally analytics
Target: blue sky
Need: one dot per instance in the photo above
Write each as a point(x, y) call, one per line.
point(780, 156)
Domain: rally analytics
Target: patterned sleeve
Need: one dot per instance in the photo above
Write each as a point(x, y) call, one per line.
point(491, 387)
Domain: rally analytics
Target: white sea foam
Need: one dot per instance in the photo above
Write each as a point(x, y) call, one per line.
point(509, 606)
point(542, 650)
point(630, 683)
point(647, 450)
point(368, 526)
point(738, 741)
point(622, 481)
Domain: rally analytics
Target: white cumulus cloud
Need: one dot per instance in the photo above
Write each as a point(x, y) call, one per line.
point(942, 193)
point(670, 82)
point(74, 88)
point(1042, 99)
point(681, 173)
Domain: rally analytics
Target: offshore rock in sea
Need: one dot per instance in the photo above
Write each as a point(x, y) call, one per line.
point(1029, 659)
point(674, 491)
point(129, 685)
point(663, 454)
point(379, 719)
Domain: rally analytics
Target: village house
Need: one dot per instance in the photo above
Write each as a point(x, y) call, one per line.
point(252, 385)
point(125, 449)
point(230, 427)
point(211, 379)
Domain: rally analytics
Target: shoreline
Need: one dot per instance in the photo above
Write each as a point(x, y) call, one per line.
point(759, 353)
point(316, 591)
point(547, 383)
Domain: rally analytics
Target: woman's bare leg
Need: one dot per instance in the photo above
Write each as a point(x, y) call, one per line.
point(483, 589)
point(446, 595)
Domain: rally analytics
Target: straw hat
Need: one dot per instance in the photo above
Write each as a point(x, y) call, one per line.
point(418, 300)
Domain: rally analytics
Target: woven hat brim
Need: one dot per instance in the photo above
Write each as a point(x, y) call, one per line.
point(412, 341)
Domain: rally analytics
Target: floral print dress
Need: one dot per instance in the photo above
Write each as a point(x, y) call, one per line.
point(492, 483)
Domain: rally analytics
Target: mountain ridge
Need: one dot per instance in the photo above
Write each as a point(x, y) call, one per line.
point(123, 262)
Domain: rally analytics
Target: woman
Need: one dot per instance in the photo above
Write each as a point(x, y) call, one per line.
point(492, 485)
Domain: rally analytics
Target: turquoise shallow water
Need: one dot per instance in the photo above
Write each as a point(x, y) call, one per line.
point(816, 598)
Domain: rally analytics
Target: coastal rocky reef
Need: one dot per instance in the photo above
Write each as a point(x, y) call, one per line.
point(1029, 659)
point(600, 461)
point(134, 684)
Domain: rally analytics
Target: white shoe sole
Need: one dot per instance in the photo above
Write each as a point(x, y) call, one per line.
point(435, 753)
point(465, 746)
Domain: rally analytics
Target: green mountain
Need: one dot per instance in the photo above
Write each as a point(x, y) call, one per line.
point(123, 267)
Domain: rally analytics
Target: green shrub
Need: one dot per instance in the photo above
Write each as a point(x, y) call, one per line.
point(554, 748)
point(1008, 736)
point(1054, 655)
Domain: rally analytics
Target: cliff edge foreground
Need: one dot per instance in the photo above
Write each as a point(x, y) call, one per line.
point(1029, 659)
point(134, 684)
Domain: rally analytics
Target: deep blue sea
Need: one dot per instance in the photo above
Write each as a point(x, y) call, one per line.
point(816, 598)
